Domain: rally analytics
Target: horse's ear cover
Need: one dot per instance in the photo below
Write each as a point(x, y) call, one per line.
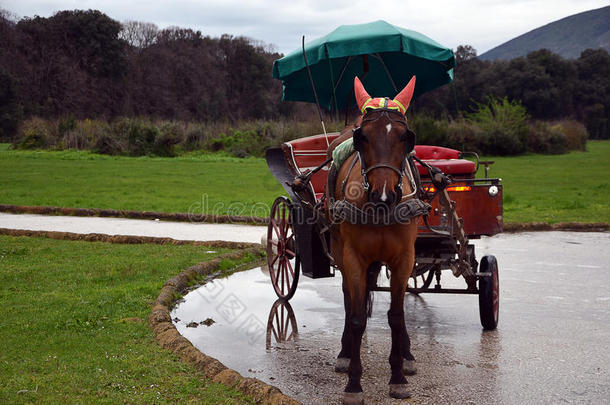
point(403, 98)
point(401, 101)
point(361, 95)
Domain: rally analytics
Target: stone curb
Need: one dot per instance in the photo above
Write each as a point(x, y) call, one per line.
point(169, 338)
point(96, 212)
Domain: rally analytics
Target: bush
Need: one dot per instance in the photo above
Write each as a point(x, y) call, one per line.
point(139, 135)
point(428, 130)
point(576, 134)
point(544, 138)
point(35, 133)
point(464, 135)
point(170, 134)
point(503, 125)
point(194, 137)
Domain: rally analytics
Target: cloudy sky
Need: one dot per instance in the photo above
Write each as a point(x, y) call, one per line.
point(483, 24)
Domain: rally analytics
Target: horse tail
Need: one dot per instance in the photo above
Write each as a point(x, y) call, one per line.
point(371, 282)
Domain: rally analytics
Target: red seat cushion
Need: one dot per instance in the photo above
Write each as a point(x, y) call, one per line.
point(425, 152)
point(447, 160)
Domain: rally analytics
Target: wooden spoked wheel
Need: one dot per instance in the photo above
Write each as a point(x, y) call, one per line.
point(426, 279)
point(282, 256)
point(489, 293)
point(282, 324)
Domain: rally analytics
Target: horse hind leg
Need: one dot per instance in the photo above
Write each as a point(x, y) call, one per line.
point(342, 363)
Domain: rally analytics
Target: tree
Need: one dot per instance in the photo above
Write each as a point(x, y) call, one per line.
point(138, 34)
point(464, 53)
point(10, 110)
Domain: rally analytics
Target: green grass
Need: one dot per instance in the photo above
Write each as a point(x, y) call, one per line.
point(556, 188)
point(74, 328)
point(224, 185)
point(548, 188)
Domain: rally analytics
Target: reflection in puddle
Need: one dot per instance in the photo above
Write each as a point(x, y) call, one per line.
point(282, 324)
point(248, 320)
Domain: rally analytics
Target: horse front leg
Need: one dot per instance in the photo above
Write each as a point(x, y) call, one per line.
point(354, 279)
point(396, 319)
point(408, 360)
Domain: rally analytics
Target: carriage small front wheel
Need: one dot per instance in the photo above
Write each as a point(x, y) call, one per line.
point(282, 258)
point(489, 293)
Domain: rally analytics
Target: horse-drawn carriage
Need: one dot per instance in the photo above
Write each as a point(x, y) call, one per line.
point(460, 206)
point(468, 208)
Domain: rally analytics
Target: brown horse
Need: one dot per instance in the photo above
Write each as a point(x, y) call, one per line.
point(375, 176)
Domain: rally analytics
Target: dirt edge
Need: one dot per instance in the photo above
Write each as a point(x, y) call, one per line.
point(229, 219)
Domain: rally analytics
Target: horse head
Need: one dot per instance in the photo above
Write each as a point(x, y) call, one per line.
point(383, 141)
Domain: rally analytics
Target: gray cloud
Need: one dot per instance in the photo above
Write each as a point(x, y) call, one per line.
point(482, 24)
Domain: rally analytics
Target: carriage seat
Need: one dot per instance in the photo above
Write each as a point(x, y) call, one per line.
point(309, 153)
point(448, 160)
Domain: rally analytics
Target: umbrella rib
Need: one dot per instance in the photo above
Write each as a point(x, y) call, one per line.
point(349, 59)
point(378, 56)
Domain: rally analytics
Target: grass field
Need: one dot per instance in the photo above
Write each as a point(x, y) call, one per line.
point(549, 188)
point(556, 188)
point(74, 328)
point(212, 183)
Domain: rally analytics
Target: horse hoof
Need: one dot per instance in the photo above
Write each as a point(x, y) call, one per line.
point(408, 367)
point(399, 391)
point(353, 398)
point(342, 364)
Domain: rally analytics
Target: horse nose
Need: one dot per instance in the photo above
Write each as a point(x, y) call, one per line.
point(383, 197)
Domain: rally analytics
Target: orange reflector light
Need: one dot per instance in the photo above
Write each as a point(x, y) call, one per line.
point(431, 189)
point(459, 188)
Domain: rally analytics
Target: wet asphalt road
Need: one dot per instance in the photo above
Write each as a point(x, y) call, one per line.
point(551, 345)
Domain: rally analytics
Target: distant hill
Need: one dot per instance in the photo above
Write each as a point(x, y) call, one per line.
point(567, 37)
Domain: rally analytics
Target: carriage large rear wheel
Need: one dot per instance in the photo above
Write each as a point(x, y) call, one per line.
point(282, 258)
point(489, 293)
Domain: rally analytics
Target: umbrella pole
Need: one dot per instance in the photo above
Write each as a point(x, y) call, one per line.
point(315, 93)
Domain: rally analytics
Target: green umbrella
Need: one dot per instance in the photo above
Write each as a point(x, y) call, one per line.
point(383, 55)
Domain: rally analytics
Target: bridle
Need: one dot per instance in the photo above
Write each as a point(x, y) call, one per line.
point(374, 115)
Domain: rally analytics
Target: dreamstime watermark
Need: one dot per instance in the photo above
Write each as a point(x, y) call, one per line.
point(232, 310)
point(235, 212)
point(343, 210)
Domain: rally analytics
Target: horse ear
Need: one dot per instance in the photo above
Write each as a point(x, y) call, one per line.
point(359, 139)
point(409, 139)
point(403, 99)
point(361, 95)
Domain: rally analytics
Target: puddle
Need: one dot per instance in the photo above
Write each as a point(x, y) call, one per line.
point(550, 346)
